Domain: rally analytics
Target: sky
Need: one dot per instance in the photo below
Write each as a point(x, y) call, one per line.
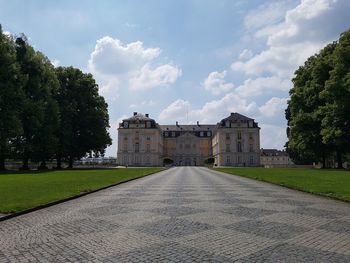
point(184, 60)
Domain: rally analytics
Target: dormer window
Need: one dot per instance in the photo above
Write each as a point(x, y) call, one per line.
point(227, 124)
point(126, 124)
point(166, 134)
point(148, 124)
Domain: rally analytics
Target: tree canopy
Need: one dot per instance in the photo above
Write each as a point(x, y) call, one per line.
point(318, 111)
point(46, 112)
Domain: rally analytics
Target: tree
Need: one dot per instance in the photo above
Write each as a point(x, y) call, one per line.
point(336, 112)
point(39, 113)
point(84, 116)
point(318, 109)
point(11, 96)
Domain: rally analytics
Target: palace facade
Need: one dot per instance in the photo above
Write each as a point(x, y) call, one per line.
point(234, 141)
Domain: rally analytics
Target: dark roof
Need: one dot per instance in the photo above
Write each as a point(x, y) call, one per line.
point(237, 116)
point(181, 127)
point(273, 152)
point(139, 117)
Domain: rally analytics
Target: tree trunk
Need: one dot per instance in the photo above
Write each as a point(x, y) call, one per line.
point(70, 164)
point(25, 165)
point(43, 165)
point(324, 161)
point(2, 163)
point(59, 162)
point(339, 160)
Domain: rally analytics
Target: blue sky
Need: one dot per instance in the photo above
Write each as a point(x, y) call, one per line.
point(184, 60)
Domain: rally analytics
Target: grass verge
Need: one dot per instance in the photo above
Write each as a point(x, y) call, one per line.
point(23, 190)
point(331, 183)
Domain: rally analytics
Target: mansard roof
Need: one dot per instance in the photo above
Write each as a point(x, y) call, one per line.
point(180, 127)
point(236, 116)
point(139, 117)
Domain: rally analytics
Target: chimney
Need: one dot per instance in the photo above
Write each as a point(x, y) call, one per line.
point(177, 124)
point(147, 115)
point(198, 123)
point(232, 113)
point(135, 113)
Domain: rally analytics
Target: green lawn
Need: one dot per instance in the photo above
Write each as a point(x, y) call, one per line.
point(23, 190)
point(330, 183)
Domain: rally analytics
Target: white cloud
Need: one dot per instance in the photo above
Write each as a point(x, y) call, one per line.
point(112, 57)
point(274, 106)
point(266, 14)
point(148, 78)
point(304, 31)
point(245, 54)
point(177, 110)
point(129, 65)
point(263, 85)
point(215, 109)
point(216, 84)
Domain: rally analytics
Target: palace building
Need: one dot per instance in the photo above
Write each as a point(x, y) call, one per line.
point(234, 141)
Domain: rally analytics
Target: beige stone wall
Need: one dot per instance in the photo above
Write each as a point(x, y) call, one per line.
point(188, 149)
point(237, 146)
point(140, 147)
point(276, 161)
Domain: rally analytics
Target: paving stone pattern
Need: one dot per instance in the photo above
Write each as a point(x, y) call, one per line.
point(184, 214)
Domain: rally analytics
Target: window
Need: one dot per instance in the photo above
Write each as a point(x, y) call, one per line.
point(166, 134)
point(148, 124)
point(173, 134)
point(126, 124)
point(227, 124)
point(250, 136)
point(148, 147)
point(125, 147)
point(239, 135)
point(239, 146)
point(137, 147)
point(227, 136)
point(251, 159)
point(228, 159)
point(227, 147)
point(148, 138)
point(201, 134)
point(251, 148)
point(208, 133)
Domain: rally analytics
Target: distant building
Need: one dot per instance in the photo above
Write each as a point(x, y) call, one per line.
point(234, 141)
point(275, 158)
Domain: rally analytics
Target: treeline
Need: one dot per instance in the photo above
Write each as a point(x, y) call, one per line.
point(318, 111)
point(47, 113)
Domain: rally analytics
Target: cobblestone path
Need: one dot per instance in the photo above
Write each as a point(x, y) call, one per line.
point(185, 214)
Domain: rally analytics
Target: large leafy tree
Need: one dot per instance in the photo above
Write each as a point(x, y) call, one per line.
point(318, 109)
point(84, 116)
point(39, 112)
point(336, 112)
point(11, 97)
